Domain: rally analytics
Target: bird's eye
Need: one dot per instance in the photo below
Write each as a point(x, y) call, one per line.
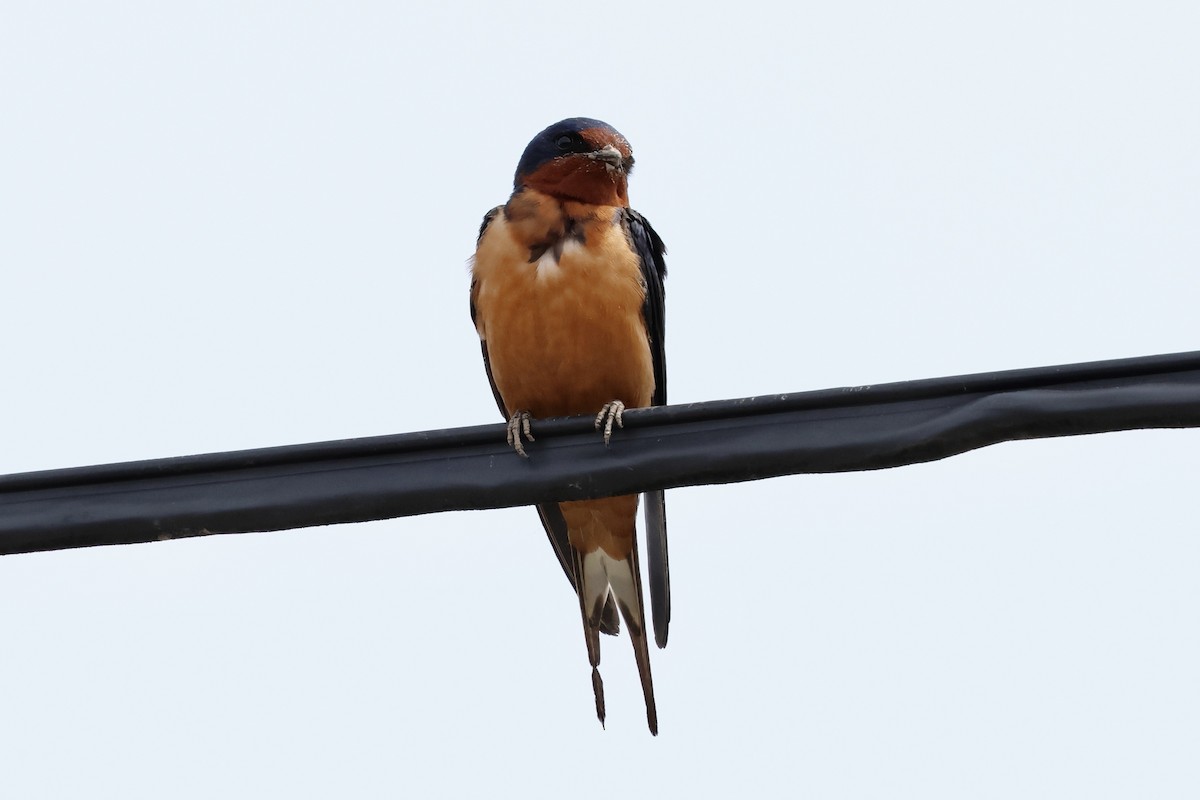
point(564, 142)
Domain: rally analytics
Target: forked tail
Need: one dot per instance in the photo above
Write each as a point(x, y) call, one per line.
point(600, 574)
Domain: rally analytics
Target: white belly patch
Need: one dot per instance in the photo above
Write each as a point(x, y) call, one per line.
point(549, 266)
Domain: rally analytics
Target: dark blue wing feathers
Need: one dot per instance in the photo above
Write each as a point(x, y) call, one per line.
point(652, 252)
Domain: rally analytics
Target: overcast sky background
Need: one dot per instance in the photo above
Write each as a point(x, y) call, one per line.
point(236, 225)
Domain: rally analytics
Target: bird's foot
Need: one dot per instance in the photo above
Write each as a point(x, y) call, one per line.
point(518, 429)
point(613, 411)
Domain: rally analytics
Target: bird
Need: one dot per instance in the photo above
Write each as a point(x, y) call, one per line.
point(567, 297)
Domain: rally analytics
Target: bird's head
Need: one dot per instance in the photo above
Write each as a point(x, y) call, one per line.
point(579, 159)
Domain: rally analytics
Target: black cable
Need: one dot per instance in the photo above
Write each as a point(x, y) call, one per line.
point(834, 430)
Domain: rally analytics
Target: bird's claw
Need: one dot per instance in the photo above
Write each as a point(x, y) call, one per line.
point(518, 429)
point(613, 411)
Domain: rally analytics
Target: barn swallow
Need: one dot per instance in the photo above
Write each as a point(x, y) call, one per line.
point(567, 297)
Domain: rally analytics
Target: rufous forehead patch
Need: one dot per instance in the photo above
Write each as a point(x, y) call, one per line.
point(599, 137)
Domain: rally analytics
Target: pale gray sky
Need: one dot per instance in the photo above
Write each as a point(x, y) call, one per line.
point(233, 225)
